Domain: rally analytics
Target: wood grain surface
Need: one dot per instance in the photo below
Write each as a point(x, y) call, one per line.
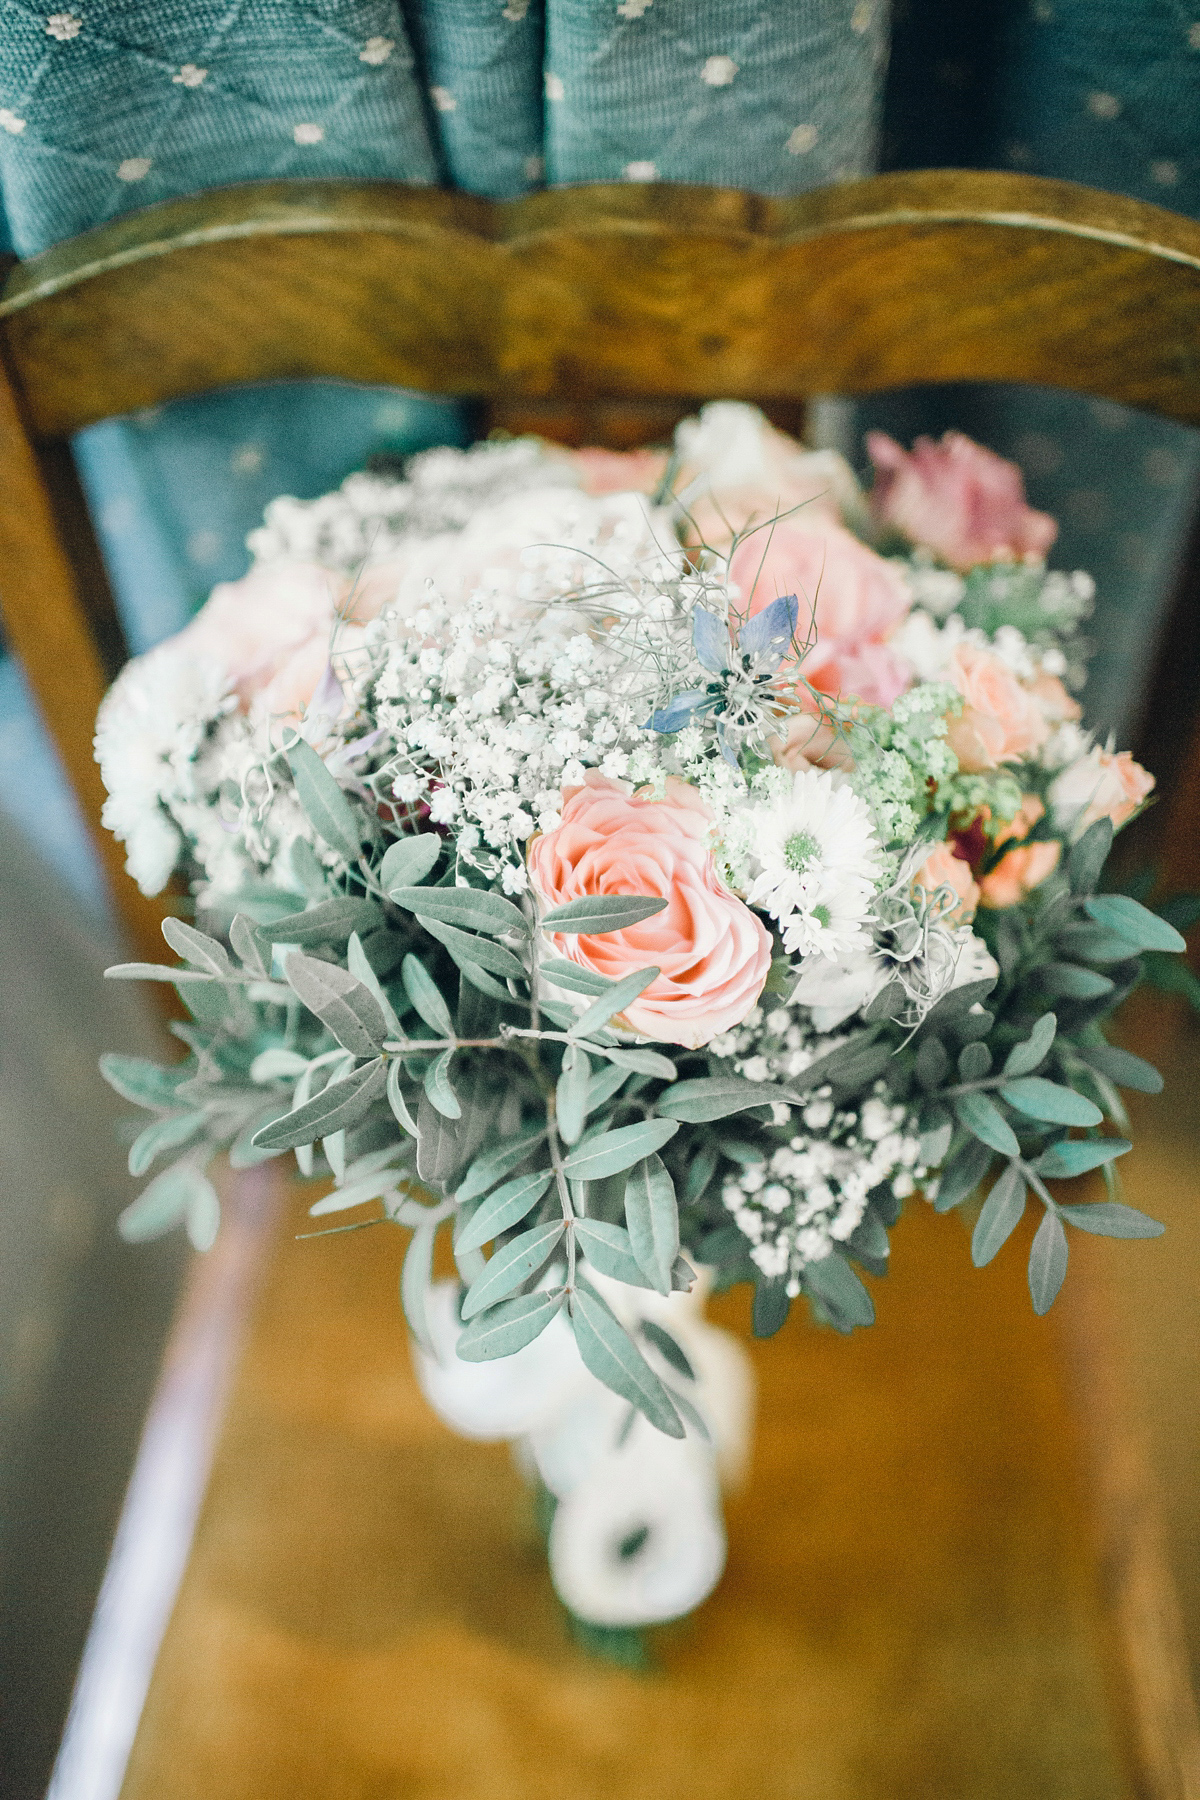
point(912, 1605)
point(615, 292)
point(57, 617)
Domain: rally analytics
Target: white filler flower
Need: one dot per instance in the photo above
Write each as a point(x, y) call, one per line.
point(818, 860)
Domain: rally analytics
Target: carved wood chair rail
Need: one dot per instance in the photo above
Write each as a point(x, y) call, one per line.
point(614, 292)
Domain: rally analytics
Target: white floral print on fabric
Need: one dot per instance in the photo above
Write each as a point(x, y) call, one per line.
point(308, 133)
point(376, 51)
point(63, 26)
point(443, 99)
point(190, 76)
point(9, 122)
point(719, 71)
point(134, 168)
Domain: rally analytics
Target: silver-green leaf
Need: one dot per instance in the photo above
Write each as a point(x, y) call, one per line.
point(512, 1264)
point(613, 1151)
point(503, 1209)
point(1047, 1262)
point(652, 1216)
point(984, 1121)
point(325, 806)
point(339, 1104)
point(508, 1327)
point(596, 914)
point(1111, 1218)
point(409, 860)
point(1042, 1099)
point(999, 1217)
point(614, 1001)
point(426, 996)
point(613, 1358)
point(471, 909)
point(1025, 1057)
point(340, 1001)
point(716, 1097)
point(438, 1086)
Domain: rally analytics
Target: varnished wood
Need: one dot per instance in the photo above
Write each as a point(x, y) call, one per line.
point(47, 621)
point(911, 1606)
point(925, 1604)
point(616, 291)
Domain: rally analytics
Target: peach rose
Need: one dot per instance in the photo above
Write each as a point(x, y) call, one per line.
point(1023, 820)
point(1018, 872)
point(963, 502)
point(854, 598)
point(811, 742)
point(942, 869)
point(1052, 699)
point(272, 632)
point(714, 954)
point(1100, 785)
point(620, 471)
point(1000, 720)
point(736, 469)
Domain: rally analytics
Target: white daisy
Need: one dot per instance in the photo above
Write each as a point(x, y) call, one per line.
point(818, 862)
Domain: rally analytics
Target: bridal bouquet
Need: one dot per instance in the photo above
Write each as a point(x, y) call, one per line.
point(656, 871)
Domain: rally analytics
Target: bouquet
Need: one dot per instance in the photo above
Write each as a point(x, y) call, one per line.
point(655, 871)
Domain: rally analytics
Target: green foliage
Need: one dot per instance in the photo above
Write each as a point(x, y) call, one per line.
point(508, 1327)
point(1047, 1262)
point(999, 1217)
point(600, 913)
point(613, 1358)
point(652, 1218)
point(325, 806)
point(610, 1152)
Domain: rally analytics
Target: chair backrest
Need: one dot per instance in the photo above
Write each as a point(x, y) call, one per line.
point(627, 293)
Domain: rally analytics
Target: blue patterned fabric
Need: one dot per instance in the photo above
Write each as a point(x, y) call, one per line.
point(731, 92)
point(482, 69)
point(1109, 95)
point(127, 101)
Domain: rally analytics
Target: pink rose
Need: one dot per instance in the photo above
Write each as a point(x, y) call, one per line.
point(1000, 720)
point(963, 502)
point(620, 471)
point(272, 632)
point(942, 869)
point(1018, 872)
point(714, 954)
point(736, 469)
point(1100, 785)
point(854, 598)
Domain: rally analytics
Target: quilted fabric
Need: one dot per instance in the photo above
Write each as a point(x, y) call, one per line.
point(116, 103)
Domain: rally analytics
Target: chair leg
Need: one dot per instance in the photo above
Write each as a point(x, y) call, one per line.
point(46, 621)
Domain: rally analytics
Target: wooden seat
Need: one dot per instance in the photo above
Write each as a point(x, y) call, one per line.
point(633, 303)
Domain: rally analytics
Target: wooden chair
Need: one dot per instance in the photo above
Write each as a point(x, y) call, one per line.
point(610, 311)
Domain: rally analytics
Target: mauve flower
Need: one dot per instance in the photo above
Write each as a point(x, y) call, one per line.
point(943, 869)
point(1018, 872)
point(854, 598)
point(963, 502)
point(1000, 720)
point(712, 952)
point(1100, 785)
